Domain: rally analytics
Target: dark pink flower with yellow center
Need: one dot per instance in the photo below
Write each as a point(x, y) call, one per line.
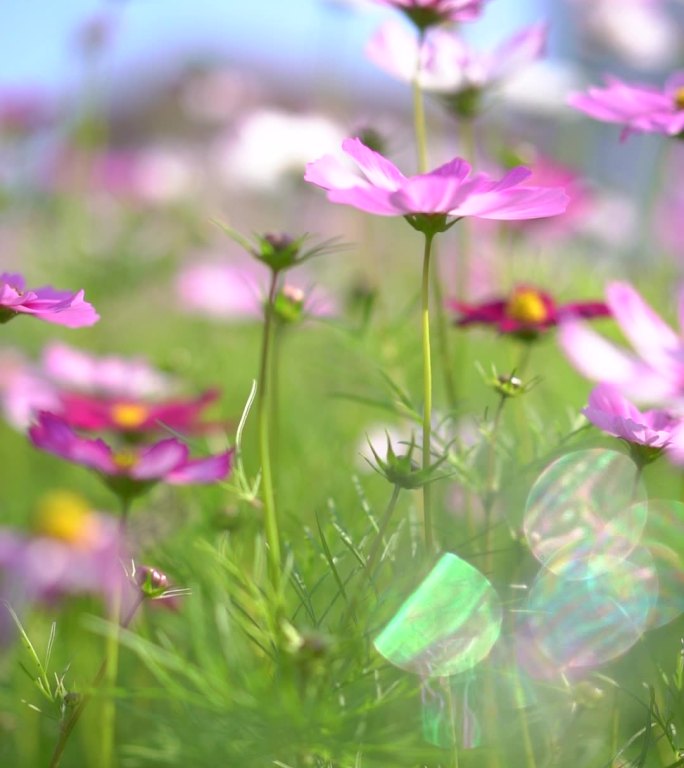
point(131, 471)
point(526, 312)
point(638, 107)
point(131, 416)
point(58, 307)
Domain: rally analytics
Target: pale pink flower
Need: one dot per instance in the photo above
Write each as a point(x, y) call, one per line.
point(24, 390)
point(638, 107)
point(74, 550)
point(654, 373)
point(448, 65)
point(614, 414)
point(237, 291)
point(449, 190)
point(109, 375)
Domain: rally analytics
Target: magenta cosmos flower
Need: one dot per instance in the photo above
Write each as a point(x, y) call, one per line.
point(427, 13)
point(133, 470)
point(654, 374)
point(526, 312)
point(637, 107)
point(448, 66)
point(426, 200)
point(59, 307)
point(131, 416)
point(615, 415)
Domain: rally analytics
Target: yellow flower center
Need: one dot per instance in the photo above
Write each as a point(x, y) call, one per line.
point(527, 306)
point(679, 98)
point(125, 459)
point(68, 517)
point(129, 415)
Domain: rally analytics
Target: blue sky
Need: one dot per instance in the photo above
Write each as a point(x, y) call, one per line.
point(36, 39)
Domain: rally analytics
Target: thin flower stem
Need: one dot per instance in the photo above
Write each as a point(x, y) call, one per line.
point(490, 490)
point(421, 146)
point(452, 722)
point(372, 561)
point(419, 112)
point(69, 725)
point(443, 341)
point(263, 416)
point(111, 662)
point(384, 523)
point(427, 391)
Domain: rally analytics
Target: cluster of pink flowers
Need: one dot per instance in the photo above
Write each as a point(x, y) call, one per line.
point(128, 400)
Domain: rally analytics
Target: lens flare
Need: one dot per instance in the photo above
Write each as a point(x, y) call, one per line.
point(447, 626)
point(585, 513)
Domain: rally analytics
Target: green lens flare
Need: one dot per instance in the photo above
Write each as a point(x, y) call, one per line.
point(447, 626)
point(448, 715)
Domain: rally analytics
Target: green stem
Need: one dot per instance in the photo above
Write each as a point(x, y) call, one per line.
point(69, 725)
point(490, 491)
point(443, 342)
point(427, 391)
point(452, 721)
point(263, 416)
point(421, 146)
point(419, 112)
point(384, 523)
point(371, 563)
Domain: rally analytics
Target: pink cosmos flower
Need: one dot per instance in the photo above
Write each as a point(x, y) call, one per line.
point(133, 470)
point(222, 290)
point(109, 375)
point(427, 13)
point(58, 307)
point(638, 107)
point(614, 414)
point(654, 374)
point(75, 550)
point(24, 390)
point(449, 190)
point(526, 312)
point(130, 416)
point(447, 64)
point(583, 202)
point(237, 291)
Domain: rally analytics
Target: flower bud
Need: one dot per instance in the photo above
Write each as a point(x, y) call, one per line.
point(402, 471)
point(152, 583)
point(289, 304)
